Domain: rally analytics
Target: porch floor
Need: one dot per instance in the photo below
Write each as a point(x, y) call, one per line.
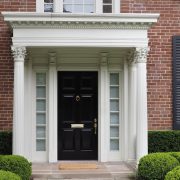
point(104, 171)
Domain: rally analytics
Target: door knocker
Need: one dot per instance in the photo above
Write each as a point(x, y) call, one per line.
point(78, 98)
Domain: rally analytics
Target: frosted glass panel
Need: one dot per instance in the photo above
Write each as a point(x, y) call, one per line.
point(40, 145)
point(78, 8)
point(89, 8)
point(40, 79)
point(114, 79)
point(114, 145)
point(78, 1)
point(114, 131)
point(114, 92)
point(67, 1)
point(114, 105)
point(88, 1)
point(67, 9)
point(41, 92)
point(40, 105)
point(114, 118)
point(41, 119)
point(40, 132)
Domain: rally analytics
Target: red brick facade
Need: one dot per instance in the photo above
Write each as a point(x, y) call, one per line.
point(159, 61)
point(6, 61)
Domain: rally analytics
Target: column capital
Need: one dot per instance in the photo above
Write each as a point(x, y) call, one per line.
point(140, 54)
point(52, 58)
point(19, 53)
point(103, 59)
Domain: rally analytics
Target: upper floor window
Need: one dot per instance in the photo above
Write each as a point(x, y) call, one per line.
point(79, 6)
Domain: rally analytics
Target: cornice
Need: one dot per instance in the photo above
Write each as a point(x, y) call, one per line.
point(79, 21)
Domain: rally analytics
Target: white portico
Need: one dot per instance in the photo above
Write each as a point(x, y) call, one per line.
point(114, 46)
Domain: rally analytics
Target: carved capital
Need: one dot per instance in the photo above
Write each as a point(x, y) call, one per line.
point(52, 58)
point(104, 59)
point(131, 57)
point(19, 53)
point(140, 54)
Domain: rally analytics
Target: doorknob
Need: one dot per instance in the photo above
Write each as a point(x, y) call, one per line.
point(78, 98)
point(95, 126)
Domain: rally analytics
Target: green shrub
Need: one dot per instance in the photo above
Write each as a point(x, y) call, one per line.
point(174, 174)
point(5, 143)
point(155, 166)
point(7, 175)
point(163, 141)
point(16, 164)
point(176, 155)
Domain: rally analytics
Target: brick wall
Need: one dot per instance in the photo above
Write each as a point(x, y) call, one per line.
point(6, 62)
point(160, 58)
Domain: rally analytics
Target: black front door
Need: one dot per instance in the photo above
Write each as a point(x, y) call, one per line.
point(77, 115)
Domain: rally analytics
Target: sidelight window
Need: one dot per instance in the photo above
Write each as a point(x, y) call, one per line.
point(41, 111)
point(114, 111)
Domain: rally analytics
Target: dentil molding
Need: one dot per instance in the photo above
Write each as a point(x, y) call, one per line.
point(80, 21)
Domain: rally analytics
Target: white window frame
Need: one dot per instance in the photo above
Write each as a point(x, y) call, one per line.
point(58, 6)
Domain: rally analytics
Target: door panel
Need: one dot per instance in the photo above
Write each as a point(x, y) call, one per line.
point(77, 104)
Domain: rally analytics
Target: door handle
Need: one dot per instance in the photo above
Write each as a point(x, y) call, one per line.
point(95, 126)
point(77, 125)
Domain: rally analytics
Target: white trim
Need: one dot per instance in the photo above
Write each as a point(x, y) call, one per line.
point(40, 6)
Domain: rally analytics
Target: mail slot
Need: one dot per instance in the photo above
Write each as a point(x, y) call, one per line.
point(77, 125)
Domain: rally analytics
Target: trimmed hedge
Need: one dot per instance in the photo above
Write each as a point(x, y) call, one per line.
point(174, 174)
point(155, 166)
point(16, 164)
point(176, 155)
point(7, 175)
point(5, 143)
point(163, 141)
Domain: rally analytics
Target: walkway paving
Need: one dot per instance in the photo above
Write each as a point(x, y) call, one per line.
point(104, 171)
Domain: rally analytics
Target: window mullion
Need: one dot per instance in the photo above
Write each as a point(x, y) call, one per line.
point(99, 6)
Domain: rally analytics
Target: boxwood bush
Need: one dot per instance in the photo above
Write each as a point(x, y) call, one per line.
point(173, 174)
point(16, 164)
point(163, 141)
point(176, 155)
point(7, 175)
point(6, 143)
point(155, 166)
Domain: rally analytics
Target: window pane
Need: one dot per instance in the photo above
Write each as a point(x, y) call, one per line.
point(41, 79)
point(40, 105)
point(41, 119)
point(88, 1)
point(114, 92)
point(89, 9)
point(107, 9)
point(114, 105)
point(107, 1)
point(114, 145)
point(114, 79)
point(78, 1)
point(114, 131)
point(67, 1)
point(48, 7)
point(78, 8)
point(67, 9)
point(48, 1)
point(41, 132)
point(114, 118)
point(41, 92)
point(40, 145)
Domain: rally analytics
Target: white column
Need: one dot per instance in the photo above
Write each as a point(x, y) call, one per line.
point(103, 123)
point(142, 121)
point(58, 6)
point(52, 108)
point(132, 109)
point(18, 118)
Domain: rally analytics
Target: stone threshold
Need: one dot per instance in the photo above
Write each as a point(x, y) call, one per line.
point(104, 171)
